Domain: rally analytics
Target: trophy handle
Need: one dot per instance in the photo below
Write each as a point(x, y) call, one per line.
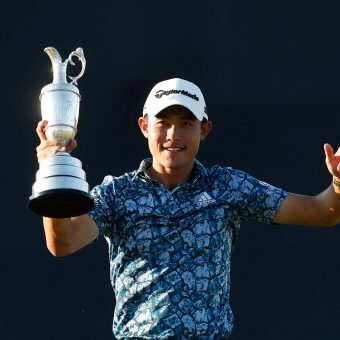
point(80, 55)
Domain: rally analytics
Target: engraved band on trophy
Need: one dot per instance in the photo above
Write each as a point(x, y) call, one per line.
point(60, 189)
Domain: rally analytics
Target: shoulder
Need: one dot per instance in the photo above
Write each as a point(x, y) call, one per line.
point(116, 183)
point(227, 174)
point(232, 179)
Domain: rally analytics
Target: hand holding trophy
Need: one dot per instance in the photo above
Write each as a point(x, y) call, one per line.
point(61, 189)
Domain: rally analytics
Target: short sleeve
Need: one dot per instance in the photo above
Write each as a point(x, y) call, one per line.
point(254, 199)
point(102, 212)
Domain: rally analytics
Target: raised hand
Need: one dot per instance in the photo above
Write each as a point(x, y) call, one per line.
point(333, 161)
point(49, 148)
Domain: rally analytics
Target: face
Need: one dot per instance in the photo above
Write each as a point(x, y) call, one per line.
point(174, 136)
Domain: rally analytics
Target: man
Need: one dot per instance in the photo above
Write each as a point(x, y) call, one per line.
point(171, 224)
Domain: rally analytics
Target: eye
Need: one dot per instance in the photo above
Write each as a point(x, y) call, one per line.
point(162, 122)
point(187, 123)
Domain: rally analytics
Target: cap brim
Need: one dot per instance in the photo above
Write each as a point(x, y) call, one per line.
point(156, 110)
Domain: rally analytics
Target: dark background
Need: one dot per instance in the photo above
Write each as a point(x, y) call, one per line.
point(270, 74)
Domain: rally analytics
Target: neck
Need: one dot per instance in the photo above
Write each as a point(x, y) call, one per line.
point(171, 178)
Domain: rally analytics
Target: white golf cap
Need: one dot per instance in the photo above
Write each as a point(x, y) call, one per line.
point(175, 91)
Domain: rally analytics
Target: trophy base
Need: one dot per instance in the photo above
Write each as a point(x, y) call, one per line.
point(60, 203)
point(60, 189)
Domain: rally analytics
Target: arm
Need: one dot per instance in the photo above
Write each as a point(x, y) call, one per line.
point(321, 210)
point(64, 235)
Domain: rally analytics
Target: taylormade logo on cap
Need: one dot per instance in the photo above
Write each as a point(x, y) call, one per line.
point(176, 91)
point(160, 93)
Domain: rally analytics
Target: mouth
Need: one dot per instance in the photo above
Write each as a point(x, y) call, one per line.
point(173, 149)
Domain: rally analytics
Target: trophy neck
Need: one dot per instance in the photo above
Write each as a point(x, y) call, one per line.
point(59, 67)
point(59, 73)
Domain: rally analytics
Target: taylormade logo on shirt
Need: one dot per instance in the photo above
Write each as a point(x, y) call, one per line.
point(161, 93)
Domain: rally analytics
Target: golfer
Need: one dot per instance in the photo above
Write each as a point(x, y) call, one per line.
point(171, 224)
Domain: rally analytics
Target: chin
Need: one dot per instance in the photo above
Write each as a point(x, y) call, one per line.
point(176, 163)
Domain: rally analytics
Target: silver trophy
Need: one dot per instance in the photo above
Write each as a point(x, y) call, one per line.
point(61, 189)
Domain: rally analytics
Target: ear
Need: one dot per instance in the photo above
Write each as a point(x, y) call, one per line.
point(205, 129)
point(143, 125)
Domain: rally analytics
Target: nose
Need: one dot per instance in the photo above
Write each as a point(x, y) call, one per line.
point(173, 133)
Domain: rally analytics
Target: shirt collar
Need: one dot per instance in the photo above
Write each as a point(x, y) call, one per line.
point(198, 171)
point(143, 167)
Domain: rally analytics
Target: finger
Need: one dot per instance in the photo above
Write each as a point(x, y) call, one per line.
point(50, 152)
point(328, 152)
point(337, 152)
point(71, 146)
point(40, 129)
point(50, 144)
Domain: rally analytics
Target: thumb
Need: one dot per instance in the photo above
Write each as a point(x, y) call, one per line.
point(328, 152)
point(41, 130)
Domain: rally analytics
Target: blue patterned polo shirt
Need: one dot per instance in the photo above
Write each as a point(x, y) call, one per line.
point(170, 250)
